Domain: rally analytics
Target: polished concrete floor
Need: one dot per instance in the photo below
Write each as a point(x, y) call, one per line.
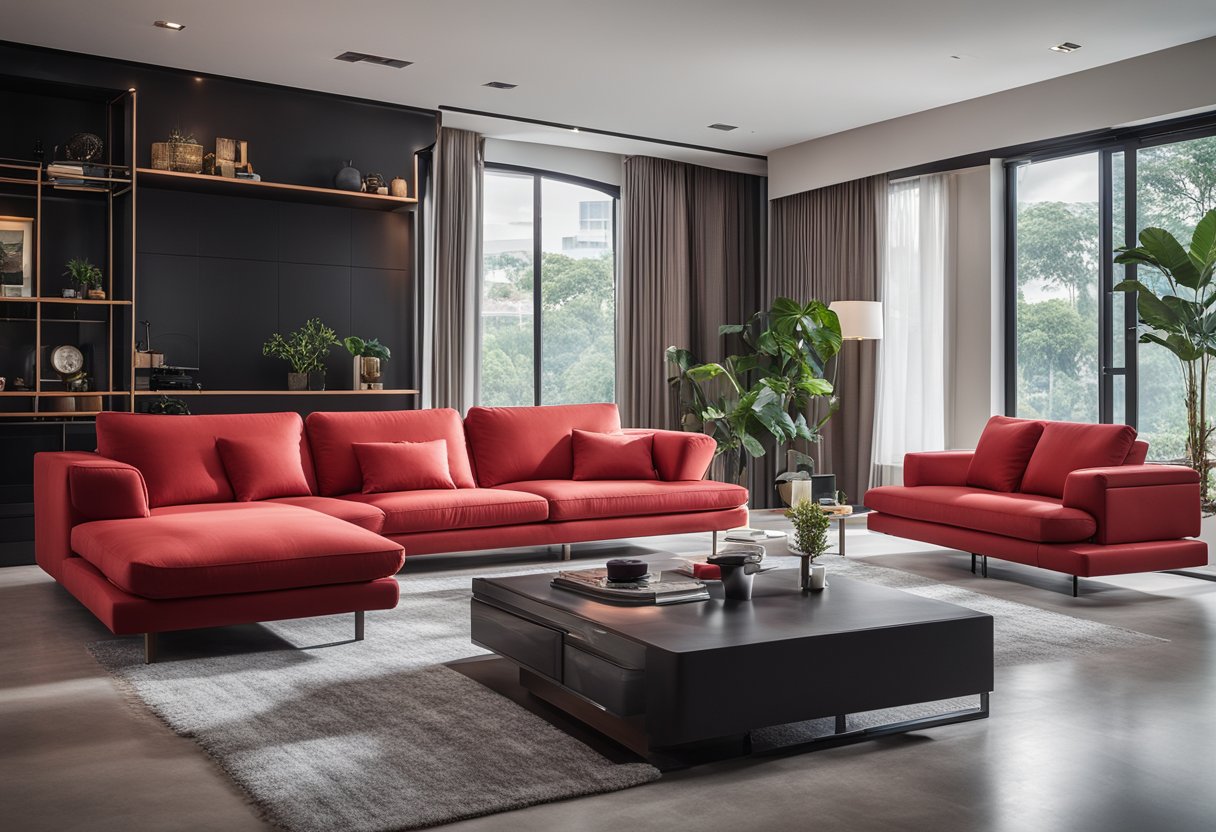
point(1117, 740)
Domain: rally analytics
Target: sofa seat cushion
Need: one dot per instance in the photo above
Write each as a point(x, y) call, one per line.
point(406, 512)
point(361, 514)
point(194, 551)
point(1024, 516)
point(570, 500)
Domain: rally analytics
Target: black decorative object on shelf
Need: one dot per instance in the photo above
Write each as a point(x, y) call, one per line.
point(166, 406)
point(84, 147)
point(349, 178)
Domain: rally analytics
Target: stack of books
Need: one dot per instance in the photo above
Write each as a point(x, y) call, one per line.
point(654, 588)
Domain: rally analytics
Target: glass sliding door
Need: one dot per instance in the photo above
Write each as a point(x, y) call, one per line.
point(548, 296)
point(1175, 187)
point(1057, 273)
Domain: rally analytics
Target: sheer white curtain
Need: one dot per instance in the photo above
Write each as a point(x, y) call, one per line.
point(916, 278)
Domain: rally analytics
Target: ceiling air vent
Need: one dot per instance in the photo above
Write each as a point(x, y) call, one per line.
point(725, 128)
point(500, 85)
point(364, 58)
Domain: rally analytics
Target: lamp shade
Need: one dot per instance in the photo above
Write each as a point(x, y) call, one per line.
point(860, 320)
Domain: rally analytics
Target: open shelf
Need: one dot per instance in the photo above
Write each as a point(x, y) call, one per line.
point(201, 183)
point(172, 393)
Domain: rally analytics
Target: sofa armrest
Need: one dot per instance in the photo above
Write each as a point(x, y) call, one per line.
point(681, 455)
point(1137, 503)
point(937, 467)
point(74, 487)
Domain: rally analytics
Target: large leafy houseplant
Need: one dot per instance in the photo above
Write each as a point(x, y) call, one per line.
point(1181, 318)
point(766, 391)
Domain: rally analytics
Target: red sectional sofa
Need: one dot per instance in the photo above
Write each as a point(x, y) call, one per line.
point(1074, 498)
point(180, 522)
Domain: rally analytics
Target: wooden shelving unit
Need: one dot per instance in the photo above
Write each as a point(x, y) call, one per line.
point(201, 183)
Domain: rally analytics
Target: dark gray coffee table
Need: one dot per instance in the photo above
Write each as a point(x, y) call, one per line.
point(662, 677)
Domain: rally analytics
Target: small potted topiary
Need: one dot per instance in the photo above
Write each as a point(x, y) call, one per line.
point(811, 524)
point(367, 356)
point(305, 350)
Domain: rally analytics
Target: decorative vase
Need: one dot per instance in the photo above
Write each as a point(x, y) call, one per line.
point(819, 577)
point(349, 178)
point(398, 188)
point(316, 380)
point(369, 372)
point(297, 381)
point(97, 294)
point(738, 566)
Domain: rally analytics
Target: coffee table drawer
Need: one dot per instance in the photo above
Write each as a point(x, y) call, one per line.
point(621, 690)
point(525, 642)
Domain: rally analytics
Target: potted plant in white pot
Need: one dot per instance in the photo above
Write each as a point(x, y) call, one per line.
point(811, 524)
point(305, 350)
point(367, 358)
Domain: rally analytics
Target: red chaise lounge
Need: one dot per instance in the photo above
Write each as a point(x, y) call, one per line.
point(179, 522)
point(1074, 498)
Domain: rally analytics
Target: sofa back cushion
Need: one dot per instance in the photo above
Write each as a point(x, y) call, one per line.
point(613, 456)
point(178, 455)
point(513, 444)
point(403, 466)
point(333, 436)
point(1003, 452)
point(1065, 447)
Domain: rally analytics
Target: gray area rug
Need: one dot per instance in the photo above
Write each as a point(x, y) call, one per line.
point(379, 735)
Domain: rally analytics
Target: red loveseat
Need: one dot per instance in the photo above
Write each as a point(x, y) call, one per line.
point(1074, 498)
point(180, 522)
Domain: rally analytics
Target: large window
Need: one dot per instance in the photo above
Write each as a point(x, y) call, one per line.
point(1072, 342)
point(547, 291)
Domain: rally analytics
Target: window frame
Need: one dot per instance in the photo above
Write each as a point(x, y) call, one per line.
point(538, 176)
point(1106, 145)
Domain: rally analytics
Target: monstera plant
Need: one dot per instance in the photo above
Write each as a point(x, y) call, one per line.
point(766, 391)
point(1177, 313)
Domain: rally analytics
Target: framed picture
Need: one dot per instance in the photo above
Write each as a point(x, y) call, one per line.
point(16, 257)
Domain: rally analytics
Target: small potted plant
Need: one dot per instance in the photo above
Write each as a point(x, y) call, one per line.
point(305, 350)
point(367, 357)
point(87, 277)
point(811, 524)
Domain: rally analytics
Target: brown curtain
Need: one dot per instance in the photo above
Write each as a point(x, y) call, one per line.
point(826, 244)
point(451, 274)
point(691, 259)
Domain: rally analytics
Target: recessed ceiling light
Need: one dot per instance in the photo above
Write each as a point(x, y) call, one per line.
point(378, 60)
point(725, 128)
point(170, 25)
point(500, 85)
point(1066, 46)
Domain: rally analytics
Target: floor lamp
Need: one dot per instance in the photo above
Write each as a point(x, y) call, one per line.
point(860, 320)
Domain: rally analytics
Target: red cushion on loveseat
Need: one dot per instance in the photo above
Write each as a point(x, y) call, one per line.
point(403, 466)
point(192, 551)
point(512, 444)
point(332, 437)
point(613, 456)
point(1003, 451)
point(406, 512)
point(569, 500)
point(1024, 516)
point(177, 454)
point(260, 469)
point(1065, 447)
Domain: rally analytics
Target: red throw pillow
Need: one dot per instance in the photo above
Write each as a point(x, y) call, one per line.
point(260, 469)
point(1004, 449)
point(1070, 446)
point(613, 456)
point(403, 466)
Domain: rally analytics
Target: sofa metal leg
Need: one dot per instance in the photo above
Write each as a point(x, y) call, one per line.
point(984, 566)
point(713, 547)
point(567, 552)
point(973, 563)
point(359, 616)
point(1074, 586)
point(149, 648)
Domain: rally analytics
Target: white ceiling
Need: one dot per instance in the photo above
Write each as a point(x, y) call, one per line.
point(783, 71)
